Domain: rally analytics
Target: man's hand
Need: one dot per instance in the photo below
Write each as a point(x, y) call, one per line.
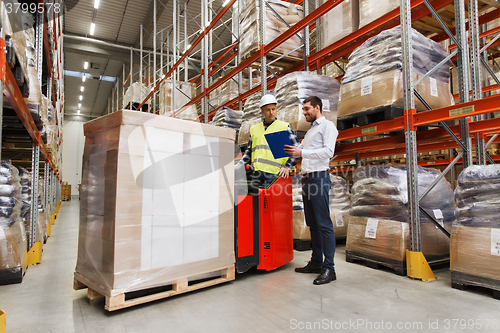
point(284, 172)
point(292, 150)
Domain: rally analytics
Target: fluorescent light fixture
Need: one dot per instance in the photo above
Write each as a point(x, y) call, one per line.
point(78, 112)
point(84, 77)
point(96, 4)
point(79, 105)
point(81, 97)
point(81, 88)
point(92, 28)
point(85, 65)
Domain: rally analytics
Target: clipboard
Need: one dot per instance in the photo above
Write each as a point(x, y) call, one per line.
point(277, 141)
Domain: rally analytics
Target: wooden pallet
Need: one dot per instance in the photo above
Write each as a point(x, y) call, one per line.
point(284, 61)
point(461, 281)
point(379, 113)
point(137, 297)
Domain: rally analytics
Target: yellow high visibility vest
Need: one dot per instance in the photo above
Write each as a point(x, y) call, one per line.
point(262, 157)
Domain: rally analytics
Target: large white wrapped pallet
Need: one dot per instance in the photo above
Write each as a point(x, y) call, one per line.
point(156, 202)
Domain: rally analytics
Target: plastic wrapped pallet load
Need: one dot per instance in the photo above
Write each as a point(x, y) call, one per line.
point(475, 237)
point(250, 27)
point(225, 117)
point(370, 10)
point(374, 79)
point(293, 88)
point(13, 253)
point(378, 227)
point(155, 207)
point(340, 203)
point(251, 116)
point(339, 22)
point(138, 92)
point(339, 208)
point(183, 94)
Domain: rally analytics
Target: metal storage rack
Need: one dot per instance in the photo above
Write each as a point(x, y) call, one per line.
point(15, 100)
point(474, 128)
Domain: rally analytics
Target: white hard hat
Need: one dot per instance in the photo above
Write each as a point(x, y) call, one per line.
point(267, 99)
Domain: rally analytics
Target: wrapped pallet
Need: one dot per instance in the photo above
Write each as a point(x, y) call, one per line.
point(13, 254)
point(293, 88)
point(156, 208)
point(43, 212)
point(340, 203)
point(300, 229)
point(25, 182)
point(379, 224)
point(249, 20)
point(229, 89)
point(251, 116)
point(370, 10)
point(475, 237)
point(183, 93)
point(339, 22)
point(225, 117)
point(373, 79)
point(137, 92)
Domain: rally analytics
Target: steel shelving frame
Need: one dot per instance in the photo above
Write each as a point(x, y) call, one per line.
point(14, 96)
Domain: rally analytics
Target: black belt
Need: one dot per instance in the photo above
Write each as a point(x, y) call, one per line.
point(316, 173)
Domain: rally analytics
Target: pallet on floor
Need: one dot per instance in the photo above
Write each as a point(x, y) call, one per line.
point(372, 261)
point(461, 281)
point(137, 297)
point(302, 245)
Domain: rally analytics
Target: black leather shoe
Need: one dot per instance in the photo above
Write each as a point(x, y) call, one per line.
point(326, 276)
point(309, 268)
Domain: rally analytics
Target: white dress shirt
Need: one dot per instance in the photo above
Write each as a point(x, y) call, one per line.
point(318, 145)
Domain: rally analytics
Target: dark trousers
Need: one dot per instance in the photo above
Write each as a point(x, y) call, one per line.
point(315, 189)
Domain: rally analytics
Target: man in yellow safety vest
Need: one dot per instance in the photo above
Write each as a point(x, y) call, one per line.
point(258, 153)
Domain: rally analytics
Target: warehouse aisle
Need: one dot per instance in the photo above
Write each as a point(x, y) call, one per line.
point(361, 300)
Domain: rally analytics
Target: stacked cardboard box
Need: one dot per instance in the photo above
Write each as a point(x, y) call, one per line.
point(251, 116)
point(183, 93)
point(339, 22)
point(156, 203)
point(370, 10)
point(475, 238)
point(65, 191)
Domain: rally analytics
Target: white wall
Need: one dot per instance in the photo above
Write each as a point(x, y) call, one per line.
point(73, 142)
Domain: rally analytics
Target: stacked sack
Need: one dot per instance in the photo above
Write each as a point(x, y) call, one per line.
point(43, 213)
point(251, 116)
point(13, 254)
point(225, 117)
point(249, 20)
point(340, 203)
point(379, 223)
point(374, 79)
point(475, 237)
point(293, 88)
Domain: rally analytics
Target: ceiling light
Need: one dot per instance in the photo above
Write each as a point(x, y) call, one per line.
point(96, 4)
point(85, 65)
point(78, 112)
point(81, 88)
point(81, 97)
point(84, 78)
point(92, 28)
point(79, 105)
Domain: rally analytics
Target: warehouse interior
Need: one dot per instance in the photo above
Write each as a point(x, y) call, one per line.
point(123, 207)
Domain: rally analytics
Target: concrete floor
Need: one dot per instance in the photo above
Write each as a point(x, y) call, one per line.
point(361, 300)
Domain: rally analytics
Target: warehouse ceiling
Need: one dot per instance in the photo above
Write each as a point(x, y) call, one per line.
point(117, 30)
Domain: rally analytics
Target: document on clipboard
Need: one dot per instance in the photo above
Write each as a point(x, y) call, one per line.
point(277, 142)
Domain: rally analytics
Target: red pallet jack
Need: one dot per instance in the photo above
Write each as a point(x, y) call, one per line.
point(263, 224)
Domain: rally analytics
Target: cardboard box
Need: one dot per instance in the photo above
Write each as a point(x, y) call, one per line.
point(471, 252)
point(301, 230)
point(157, 202)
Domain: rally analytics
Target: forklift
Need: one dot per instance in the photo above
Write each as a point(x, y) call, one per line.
point(263, 223)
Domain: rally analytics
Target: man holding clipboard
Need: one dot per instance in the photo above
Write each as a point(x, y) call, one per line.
point(259, 152)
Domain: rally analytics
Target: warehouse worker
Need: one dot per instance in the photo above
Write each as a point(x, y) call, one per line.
point(258, 153)
point(316, 151)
